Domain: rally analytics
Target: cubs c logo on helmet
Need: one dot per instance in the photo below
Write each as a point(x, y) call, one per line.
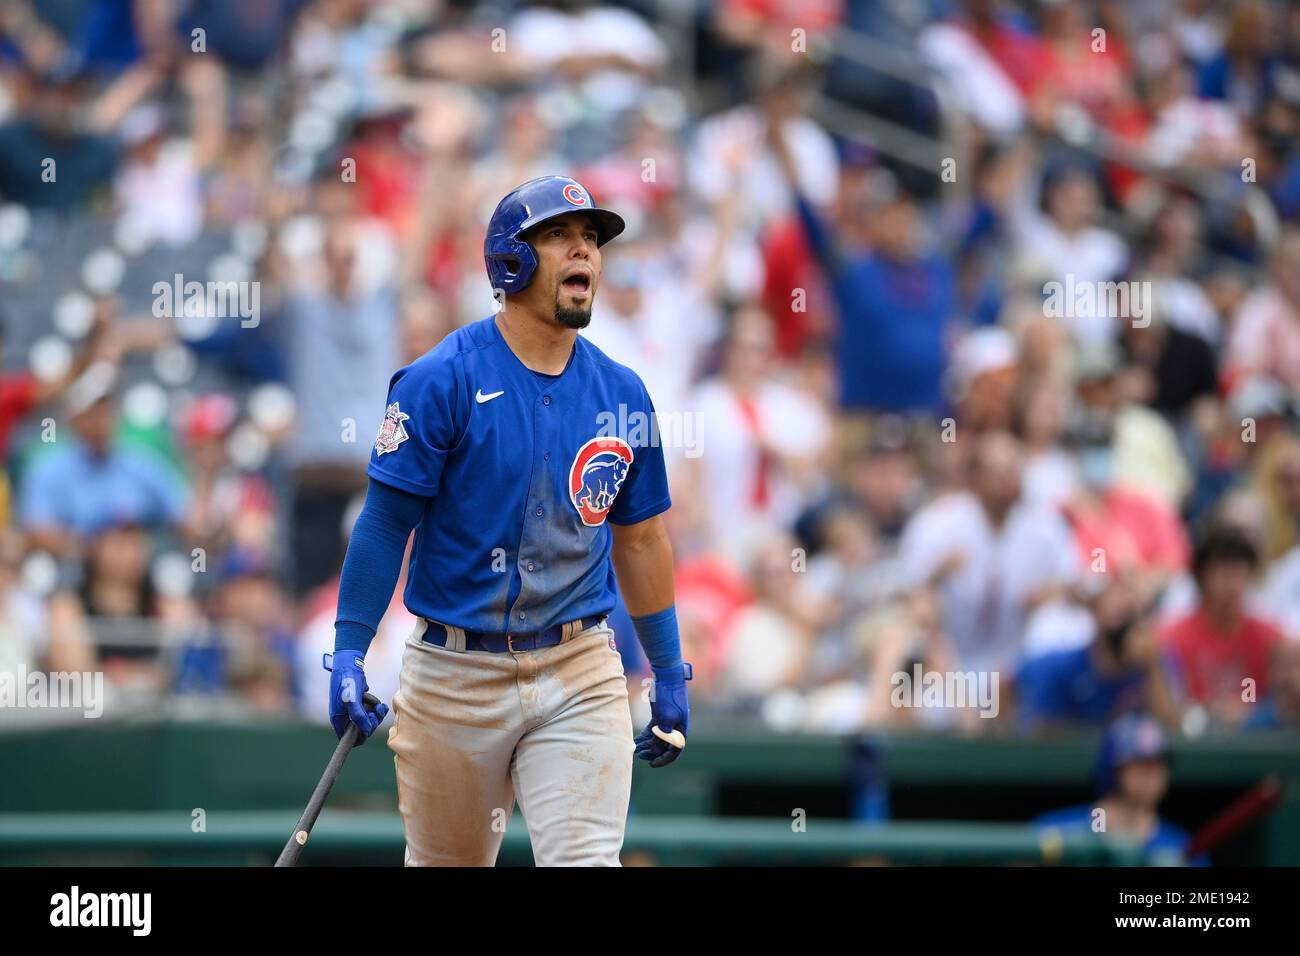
point(573, 193)
point(597, 473)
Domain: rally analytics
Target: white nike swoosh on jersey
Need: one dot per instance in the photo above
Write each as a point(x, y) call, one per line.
point(481, 398)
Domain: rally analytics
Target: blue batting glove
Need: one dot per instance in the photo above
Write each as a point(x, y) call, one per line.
point(669, 711)
point(347, 692)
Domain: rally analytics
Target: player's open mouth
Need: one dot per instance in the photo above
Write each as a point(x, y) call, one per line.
point(577, 283)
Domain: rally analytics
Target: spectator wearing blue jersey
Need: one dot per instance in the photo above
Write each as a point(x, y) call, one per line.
point(1118, 671)
point(1244, 72)
point(51, 156)
point(896, 302)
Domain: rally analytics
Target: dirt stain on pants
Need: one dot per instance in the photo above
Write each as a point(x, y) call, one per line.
point(473, 731)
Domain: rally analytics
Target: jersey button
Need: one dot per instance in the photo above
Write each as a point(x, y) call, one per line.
point(538, 512)
point(546, 456)
point(530, 565)
point(546, 399)
point(522, 615)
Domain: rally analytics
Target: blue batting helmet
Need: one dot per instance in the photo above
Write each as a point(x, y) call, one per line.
point(1134, 736)
point(510, 260)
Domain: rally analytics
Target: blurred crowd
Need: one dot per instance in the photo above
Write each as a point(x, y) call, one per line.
point(998, 375)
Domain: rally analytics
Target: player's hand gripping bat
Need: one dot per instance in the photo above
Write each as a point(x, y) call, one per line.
point(673, 737)
point(293, 849)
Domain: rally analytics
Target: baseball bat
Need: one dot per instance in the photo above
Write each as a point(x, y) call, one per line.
point(293, 848)
point(673, 737)
point(1246, 809)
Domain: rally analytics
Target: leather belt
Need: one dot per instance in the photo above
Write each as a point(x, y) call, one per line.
point(436, 634)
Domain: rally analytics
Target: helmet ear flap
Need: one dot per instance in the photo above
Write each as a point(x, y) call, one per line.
point(512, 267)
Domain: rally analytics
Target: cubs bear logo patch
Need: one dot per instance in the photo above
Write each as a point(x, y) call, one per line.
point(392, 432)
point(598, 471)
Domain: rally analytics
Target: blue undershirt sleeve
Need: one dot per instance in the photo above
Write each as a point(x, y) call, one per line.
point(660, 641)
point(373, 563)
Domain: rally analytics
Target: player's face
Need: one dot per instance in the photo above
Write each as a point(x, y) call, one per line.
point(568, 269)
point(1144, 782)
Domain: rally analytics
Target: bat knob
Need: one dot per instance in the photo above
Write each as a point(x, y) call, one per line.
point(301, 837)
point(673, 737)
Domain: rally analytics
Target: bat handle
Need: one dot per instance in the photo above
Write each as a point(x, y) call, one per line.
point(673, 737)
point(293, 848)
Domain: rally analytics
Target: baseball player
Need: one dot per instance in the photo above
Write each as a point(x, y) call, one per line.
point(1132, 776)
point(495, 450)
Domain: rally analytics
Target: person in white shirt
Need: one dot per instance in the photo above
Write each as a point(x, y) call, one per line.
point(782, 100)
point(976, 82)
point(762, 443)
point(1051, 475)
point(1265, 336)
point(24, 644)
point(1279, 598)
point(1064, 244)
point(659, 322)
point(992, 557)
point(609, 49)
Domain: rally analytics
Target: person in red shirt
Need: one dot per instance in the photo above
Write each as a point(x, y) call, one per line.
point(1135, 532)
point(1223, 652)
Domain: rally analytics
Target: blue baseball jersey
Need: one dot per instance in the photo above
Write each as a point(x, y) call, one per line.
point(1166, 838)
point(523, 472)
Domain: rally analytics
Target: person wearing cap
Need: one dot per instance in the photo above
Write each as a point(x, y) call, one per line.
point(84, 162)
point(1132, 778)
point(896, 301)
point(985, 373)
point(88, 481)
point(884, 479)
